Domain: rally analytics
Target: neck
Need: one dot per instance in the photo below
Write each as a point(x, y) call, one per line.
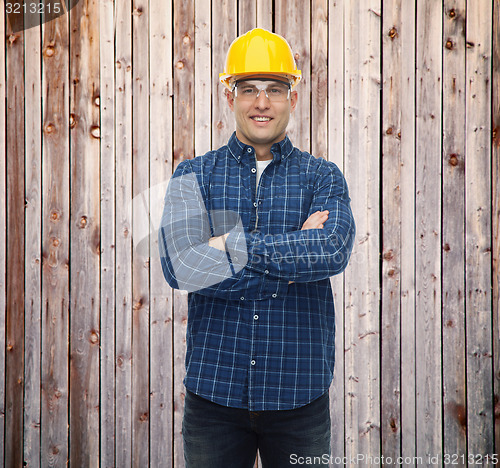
point(262, 151)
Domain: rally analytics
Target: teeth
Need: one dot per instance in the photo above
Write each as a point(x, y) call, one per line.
point(261, 119)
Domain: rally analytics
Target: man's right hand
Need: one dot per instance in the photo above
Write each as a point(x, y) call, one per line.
point(316, 220)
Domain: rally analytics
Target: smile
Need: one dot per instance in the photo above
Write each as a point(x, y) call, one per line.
point(261, 119)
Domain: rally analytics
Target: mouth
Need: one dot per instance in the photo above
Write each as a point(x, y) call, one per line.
point(261, 119)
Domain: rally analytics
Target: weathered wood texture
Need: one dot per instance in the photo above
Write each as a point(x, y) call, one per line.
point(100, 105)
point(495, 177)
point(362, 62)
point(453, 221)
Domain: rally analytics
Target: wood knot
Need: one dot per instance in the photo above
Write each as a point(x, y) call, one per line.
point(186, 39)
point(143, 417)
point(449, 44)
point(452, 13)
point(97, 101)
point(179, 65)
point(50, 128)
point(391, 272)
point(83, 222)
point(55, 216)
point(56, 242)
point(389, 131)
point(95, 132)
point(394, 426)
point(446, 247)
point(297, 56)
point(453, 160)
point(13, 38)
point(72, 121)
point(10, 346)
point(220, 125)
point(94, 337)
point(49, 51)
point(393, 33)
point(388, 255)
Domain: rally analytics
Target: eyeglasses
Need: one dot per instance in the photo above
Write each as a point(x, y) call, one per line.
point(275, 91)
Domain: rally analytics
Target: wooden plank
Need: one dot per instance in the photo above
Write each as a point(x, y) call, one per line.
point(15, 250)
point(161, 363)
point(407, 260)
point(265, 14)
point(336, 155)
point(123, 193)
point(247, 16)
point(55, 245)
point(223, 34)
point(33, 273)
point(203, 78)
point(85, 233)
point(14, 363)
point(362, 130)
point(319, 78)
point(495, 177)
point(478, 229)
point(428, 229)
point(292, 21)
point(108, 232)
point(3, 235)
point(392, 214)
point(453, 264)
point(183, 144)
point(140, 260)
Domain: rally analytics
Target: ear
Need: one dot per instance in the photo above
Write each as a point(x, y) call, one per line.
point(293, 100)
point(230, 98)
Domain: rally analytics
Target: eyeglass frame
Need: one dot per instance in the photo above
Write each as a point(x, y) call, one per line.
point(234, 87)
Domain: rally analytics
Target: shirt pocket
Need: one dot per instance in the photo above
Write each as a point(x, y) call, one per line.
point(288, 211)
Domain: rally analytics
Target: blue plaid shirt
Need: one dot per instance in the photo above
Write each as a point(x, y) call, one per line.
point(255, 340)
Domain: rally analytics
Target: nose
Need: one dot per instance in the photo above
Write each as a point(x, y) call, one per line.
point(262, 101)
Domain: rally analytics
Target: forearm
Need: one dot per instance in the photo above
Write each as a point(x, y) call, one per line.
point(301, 256)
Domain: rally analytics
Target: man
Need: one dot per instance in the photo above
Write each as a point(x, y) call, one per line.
point(254, 230)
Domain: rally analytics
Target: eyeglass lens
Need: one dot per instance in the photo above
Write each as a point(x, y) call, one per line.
point(250, 90)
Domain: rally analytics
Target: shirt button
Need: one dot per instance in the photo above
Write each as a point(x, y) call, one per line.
point(256, 317)
point(253, 170)
point(249, 150)
point(255, 204)
point(266, 272)
point(242, 298)
point(252, 362)
point(275, 295)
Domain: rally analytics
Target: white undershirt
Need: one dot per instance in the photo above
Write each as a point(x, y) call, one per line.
point(261, 165)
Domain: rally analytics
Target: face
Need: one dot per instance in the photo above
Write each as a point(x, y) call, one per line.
point(260, 121)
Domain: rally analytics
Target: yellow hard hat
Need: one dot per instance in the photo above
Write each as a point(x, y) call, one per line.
point(260, 51)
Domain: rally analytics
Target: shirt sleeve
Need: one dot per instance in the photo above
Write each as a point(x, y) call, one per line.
point(311, 254)
point(189, 262)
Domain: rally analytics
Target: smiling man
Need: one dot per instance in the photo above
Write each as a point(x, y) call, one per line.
point(254, 231)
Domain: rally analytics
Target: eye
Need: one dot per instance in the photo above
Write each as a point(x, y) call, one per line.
point(249, 90)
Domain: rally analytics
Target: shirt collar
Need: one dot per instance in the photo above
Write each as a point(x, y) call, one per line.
point(239, 150)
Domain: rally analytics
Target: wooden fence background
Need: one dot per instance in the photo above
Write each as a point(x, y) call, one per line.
point(104, 101)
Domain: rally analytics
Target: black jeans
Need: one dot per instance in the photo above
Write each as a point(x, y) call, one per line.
point(216, 436)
